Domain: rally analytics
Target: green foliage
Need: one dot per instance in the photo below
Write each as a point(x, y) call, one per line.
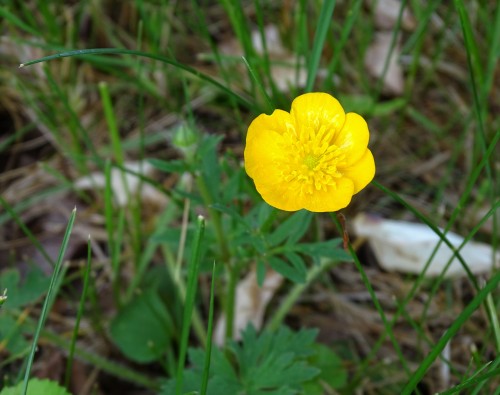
point(333, 372)
point(36, 387)
point(281, 362)
point(141, 329)
point(22, 293)
point(11, 333)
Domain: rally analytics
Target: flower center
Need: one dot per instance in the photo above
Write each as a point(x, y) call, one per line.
point(311, 159)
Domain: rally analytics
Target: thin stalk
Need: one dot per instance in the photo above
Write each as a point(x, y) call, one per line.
point(371, 291)
point(233, 276)
point(193, 271)
point(118, 51)
point(215, 217)
point(210, 328)
point(295, 293)
point(325, 19)
point(48, 299)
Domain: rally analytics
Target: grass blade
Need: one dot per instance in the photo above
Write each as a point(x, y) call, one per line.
point(208, 349)
point(193, 269)
point(325, 19)
point(453, 329)
point(48, 299)
point(118, 51)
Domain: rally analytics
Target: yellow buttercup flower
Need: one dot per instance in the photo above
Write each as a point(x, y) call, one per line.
point(315, 157)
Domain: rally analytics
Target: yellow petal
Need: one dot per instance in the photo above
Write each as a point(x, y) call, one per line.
point(279, 121)
point(263, 144)
point(261, 154)
point(278, 195)
point(361, 172)
point(313, 110)
point(331, 200)
point(353, 138)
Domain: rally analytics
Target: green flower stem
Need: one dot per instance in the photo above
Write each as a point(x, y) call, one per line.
point(232, 269)
point(216, 218)
point(376, 302)
point(295, 293)
point(233, 275)
point(198, 325)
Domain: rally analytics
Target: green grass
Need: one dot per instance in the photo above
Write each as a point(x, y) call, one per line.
point(175, 85)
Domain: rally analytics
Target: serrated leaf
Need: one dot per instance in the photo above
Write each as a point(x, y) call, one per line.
point(293, 228)
point(141, 329)
point(287, 270)
point(21, 293)
point(36, 387)
point(222, 376)
point(284, 372)
point(271, 363)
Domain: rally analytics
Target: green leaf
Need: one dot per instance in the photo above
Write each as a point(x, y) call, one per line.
point(261, 272)
point(287, 270)
point(21, 293)
point(37, 387)
point(327, 249)
point(229, 211)
point(297, 262)
point(222, 376)
point(332, 371)
point(11, 334)
point(274, 360)
point(142, 328)
point(364, 104)
point(210, 166)
point(263, 213)
point(272, 363)
point(292, 229)
point(171, 166)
